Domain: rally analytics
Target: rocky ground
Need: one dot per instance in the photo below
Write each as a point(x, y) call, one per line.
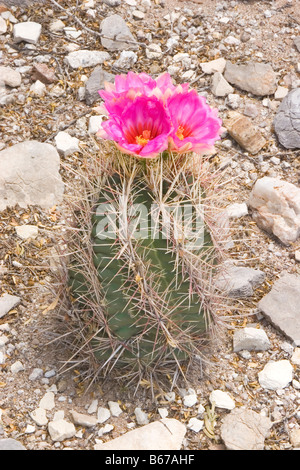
point(48, 88)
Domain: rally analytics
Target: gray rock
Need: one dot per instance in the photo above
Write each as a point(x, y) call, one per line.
point(11, 444)
point(141, 416)
point(29, 175)
point(126, 60)
point(82, 419)
point(244, 429)
point(250, 339)
point(287, 120)
point(7, 303)
point(297, 43)
point(95, 83)
point(276, 208)
point(116, 34)
point(85, 58)
point(166, 434)
point(239, 281)
point(255, 77)
point(281, 306)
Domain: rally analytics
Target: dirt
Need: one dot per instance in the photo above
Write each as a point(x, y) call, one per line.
point(31, 325)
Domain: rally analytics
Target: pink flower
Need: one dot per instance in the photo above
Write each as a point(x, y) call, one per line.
point(141, 129)
point(128, 87)
point(196, 126)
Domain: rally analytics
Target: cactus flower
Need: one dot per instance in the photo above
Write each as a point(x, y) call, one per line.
point(196, 126)
point(141, 129)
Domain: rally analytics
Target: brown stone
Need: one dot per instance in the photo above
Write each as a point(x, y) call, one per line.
point(244, 132)
point(44, 74)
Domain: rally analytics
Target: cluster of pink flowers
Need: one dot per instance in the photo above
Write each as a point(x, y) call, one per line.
point(147, 116)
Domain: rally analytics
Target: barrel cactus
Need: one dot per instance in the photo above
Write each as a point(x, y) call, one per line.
point(147, 241)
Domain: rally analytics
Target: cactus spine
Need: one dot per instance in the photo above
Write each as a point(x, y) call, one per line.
point(142, 288)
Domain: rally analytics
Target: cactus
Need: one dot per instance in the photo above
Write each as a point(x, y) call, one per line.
point(146, 247)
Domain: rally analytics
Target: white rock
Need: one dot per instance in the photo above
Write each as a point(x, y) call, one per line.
point(37, 373)
point(165, 434)
point(72, 32)
point(10, 77)
point(29, 429)
point(60, 430)
point(236, 210)
point(93, 407)
point(7, 303)
point(221, 400)
point(27, 231)
point(86, 58)
point(195, 424)
point(56, 26)
point(17, 367)
point(83, 420)
point(217, 65)
point(153, 51)
point(103, 414)
point(126, 60)
point(233, 100)
point(39, 416)
point(232, 41)
point(95, 123)
point(3, 26)
point(47, 402)
point(250, 339)
point(141, 416)
point(163, 412)
point(281, 92)
point(114, 408)
point(28, 31)
point(66, 144)
point(295, 359)
point(29, 175)
point(219, 86)
point(276, 375)
point(106, 429)
point(38, 88)
point(138, 15)
point(276, 205)
point(190, 399)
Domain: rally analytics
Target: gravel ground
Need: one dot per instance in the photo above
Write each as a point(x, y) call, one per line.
point(266, 31)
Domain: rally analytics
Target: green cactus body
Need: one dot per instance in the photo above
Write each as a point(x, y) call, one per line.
point(153, 310)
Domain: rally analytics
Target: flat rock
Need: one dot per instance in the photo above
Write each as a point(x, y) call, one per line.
point(276, 208)
point(250, 339)
point(61, 429)
point(66, 144)
point(28, 31)
point(27, 231)
point(83, 420)
point(29, 175)
point(221, 400)
point(7, 303)
point(10, 77)
point(166, 434)
point(287, 120)
point(255, 77)
point(11, 444)
point(116, 34)
point(281, 306)
point(217, 65)
point(43, 73)
point(276, 375)
point(244, 429)
point(244, 132)
point(220, 86)
point(239, 281)
point(95, 83)
point(85, 58)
